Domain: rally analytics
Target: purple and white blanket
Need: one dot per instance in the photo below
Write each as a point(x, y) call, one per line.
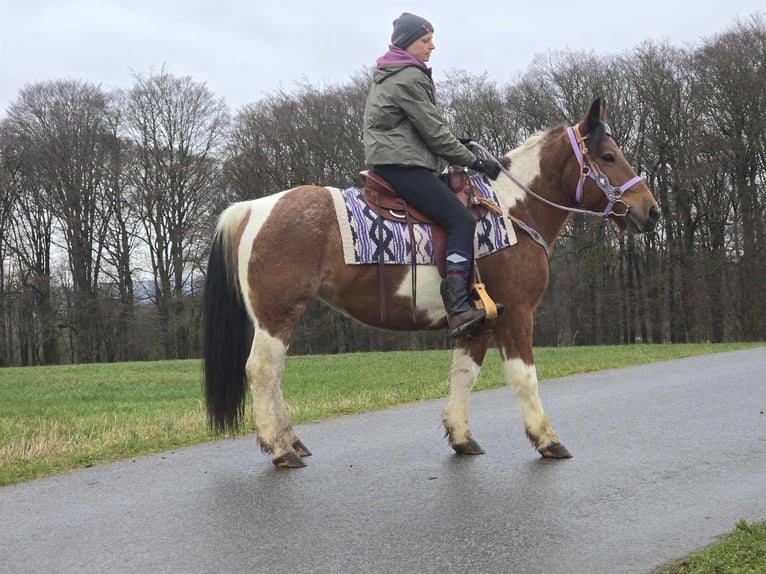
point(359, 230)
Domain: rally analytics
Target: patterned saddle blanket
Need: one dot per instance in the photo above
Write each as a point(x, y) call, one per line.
point(359, 230)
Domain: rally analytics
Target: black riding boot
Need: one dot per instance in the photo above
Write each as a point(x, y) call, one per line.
point(462, 317)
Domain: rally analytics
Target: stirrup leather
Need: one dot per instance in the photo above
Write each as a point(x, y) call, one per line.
point(484, 301)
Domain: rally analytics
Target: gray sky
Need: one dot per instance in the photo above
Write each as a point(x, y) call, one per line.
point(245, 50)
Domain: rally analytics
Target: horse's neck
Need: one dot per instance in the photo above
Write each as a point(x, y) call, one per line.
point(526, 169)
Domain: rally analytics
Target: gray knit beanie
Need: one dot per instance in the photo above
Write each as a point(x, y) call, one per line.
point(408, 28)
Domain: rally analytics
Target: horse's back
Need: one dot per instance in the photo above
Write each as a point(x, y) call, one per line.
point(292, 218)
point(283, 220)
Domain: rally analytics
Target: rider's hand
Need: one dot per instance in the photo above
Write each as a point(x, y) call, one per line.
point(466, 142)
point(490, 167)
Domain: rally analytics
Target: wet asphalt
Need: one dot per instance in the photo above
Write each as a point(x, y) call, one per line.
point(667, 457)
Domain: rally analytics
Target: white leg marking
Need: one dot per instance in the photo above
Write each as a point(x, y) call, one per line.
point(266, 362)
point(463, 375)
point(264, 374)
point(523, 380)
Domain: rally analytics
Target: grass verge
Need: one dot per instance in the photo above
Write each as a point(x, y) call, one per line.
point(59, 418)
point(743, 551)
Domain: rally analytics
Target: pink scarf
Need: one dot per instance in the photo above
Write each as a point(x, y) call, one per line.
point(398, 57)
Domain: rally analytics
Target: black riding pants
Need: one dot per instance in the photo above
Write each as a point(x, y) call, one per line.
point(424, 191)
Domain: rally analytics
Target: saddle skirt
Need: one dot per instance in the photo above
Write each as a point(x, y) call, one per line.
point(359, 222)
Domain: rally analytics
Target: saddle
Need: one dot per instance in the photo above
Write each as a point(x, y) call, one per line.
point(382, 198)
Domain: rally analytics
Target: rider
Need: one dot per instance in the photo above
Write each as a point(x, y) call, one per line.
point(404, 137)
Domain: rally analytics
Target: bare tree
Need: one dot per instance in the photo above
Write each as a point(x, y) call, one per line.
point(28, 238)
point(7, 203)
point(730, 73)
point(118, 327)
point(177, 126)
point(475, 107)
point(58, 127)
point(313, 136)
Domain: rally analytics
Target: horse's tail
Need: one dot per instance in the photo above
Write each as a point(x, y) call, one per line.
point(227, 328)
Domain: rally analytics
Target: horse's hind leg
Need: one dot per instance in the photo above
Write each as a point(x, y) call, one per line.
point(271, 420)
point(466, 362)
point(282, 266)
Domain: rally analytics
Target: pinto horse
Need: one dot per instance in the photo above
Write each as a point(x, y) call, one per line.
point(271, 255)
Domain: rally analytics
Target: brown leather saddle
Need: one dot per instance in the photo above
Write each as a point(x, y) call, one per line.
point(386, 204)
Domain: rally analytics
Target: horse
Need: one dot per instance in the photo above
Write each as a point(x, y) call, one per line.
point(271, 255)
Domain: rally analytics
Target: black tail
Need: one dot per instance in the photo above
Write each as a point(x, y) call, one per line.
point(227, 339)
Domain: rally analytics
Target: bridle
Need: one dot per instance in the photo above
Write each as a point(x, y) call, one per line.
point(613, 194)
point(588, 168)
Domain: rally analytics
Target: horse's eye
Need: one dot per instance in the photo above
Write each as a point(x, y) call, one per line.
point(608, 157)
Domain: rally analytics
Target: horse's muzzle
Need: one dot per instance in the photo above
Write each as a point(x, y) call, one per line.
point(635, 222)
point(652, 217)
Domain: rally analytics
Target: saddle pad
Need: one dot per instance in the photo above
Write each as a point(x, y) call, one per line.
point(359, 230)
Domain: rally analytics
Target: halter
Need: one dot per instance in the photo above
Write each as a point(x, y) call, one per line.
point(613, 194)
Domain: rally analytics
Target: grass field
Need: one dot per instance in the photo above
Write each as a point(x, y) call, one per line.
point(54, 419)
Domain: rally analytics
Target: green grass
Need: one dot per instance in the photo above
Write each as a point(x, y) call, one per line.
point(59, 418)
point(743, 551)
point(54, 419)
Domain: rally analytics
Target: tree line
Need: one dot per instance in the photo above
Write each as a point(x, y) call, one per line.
point(108, 199)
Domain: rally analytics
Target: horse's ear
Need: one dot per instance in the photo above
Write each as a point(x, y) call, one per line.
point(595, 115)
point(601, 108)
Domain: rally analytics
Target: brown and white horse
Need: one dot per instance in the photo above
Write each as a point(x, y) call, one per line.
point(271, 255)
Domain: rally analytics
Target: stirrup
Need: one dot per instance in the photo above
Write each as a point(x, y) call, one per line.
point(484, 301)
point(469, 326)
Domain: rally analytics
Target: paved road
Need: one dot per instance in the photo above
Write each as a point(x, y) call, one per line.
point(666, 457)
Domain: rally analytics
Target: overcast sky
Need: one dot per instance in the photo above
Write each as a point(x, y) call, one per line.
point(244, 50)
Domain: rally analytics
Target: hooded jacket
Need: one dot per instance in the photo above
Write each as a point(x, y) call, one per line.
point(402, 125)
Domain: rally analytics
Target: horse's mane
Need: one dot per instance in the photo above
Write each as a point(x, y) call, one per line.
point(593, 142)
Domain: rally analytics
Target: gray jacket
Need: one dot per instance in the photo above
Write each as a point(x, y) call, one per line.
point(402, 125)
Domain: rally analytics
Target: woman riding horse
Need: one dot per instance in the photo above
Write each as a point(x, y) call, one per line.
point(404, 137)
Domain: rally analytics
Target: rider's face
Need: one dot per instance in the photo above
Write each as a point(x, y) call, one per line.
point(422, 47)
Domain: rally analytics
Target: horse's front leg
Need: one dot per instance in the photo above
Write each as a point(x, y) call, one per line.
point(466, 362)
point(515, 342)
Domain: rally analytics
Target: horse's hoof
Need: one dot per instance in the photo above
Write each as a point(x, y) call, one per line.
point(300, 449)
point(555, 451)
point(468, 447)
point(288, 460)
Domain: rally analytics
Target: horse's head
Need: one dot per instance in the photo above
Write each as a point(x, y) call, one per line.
point(608, 183)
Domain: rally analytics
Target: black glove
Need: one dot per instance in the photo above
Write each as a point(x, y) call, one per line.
point(466, 142)
point(487, 166)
